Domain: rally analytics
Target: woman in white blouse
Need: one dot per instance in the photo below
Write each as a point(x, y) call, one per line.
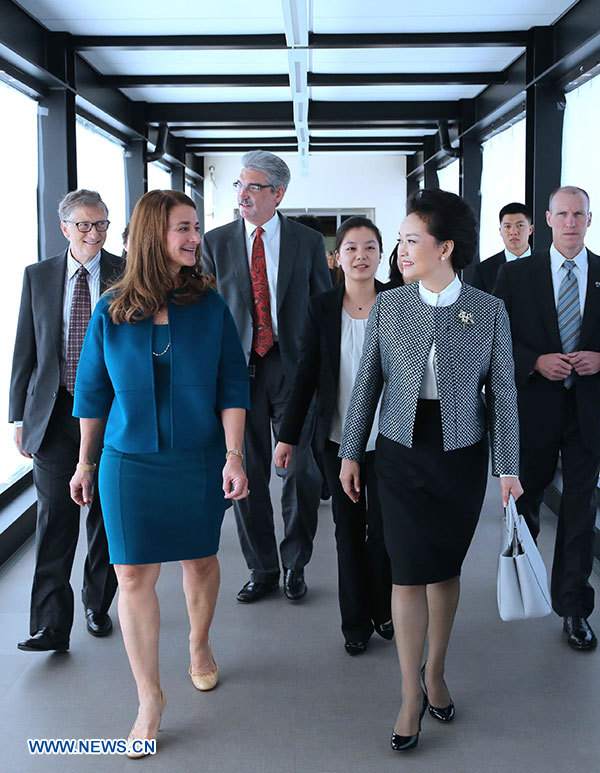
point(330, 352)
point(432, 345)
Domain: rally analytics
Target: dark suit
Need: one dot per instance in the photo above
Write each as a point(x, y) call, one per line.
point(483, 275)
point(302, 271)
point(364, 575)
point(554, 419)
point(51, 434)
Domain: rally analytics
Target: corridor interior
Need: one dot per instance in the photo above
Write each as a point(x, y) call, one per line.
point(289, 699)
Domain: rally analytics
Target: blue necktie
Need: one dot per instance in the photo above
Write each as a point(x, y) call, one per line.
point(568, 312)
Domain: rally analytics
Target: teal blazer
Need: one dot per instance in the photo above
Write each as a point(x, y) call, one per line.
point(115, 377)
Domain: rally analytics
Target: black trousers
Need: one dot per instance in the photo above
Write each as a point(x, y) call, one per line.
point(301, 481)
point(364, 574)
point(571, 591)
point(57, 530)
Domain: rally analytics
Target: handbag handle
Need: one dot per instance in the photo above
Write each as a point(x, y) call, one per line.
point(513, 526)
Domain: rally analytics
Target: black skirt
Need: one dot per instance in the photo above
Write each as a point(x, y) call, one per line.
point(431, 500)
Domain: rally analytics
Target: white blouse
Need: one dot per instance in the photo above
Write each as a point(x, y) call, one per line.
point(429, 387)
point(351, 346)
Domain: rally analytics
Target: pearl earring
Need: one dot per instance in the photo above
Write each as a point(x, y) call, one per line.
point(443, 258)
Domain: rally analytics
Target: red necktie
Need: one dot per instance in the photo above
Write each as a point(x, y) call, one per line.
point(81, 311)
point(262, 336)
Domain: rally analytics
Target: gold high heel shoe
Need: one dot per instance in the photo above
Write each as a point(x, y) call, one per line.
point(207, 681)
point(130, 751)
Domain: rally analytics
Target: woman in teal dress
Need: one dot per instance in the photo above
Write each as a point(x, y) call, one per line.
point(163, 377)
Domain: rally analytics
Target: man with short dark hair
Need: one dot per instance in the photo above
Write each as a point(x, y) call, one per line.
point(553, 300)
point(267, 266)
point(515, 229)
point(58, 297)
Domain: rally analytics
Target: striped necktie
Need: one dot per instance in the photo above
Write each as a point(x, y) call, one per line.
point(568, 312)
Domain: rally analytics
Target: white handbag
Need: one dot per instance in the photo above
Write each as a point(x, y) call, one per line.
point(522, 579)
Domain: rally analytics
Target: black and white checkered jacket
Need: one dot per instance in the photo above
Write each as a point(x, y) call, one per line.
point(473, 350)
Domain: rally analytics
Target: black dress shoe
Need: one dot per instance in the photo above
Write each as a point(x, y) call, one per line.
point(579, 634)
point(45, 640)
point(253, 591)
point(294, 586)
point(402, 743)
point(385, 630)
point(98, 623)
point(355, 647)
point(444, 715)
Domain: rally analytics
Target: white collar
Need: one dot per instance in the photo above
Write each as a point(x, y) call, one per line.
point(92, 266)
point(447, 296)
point(270, 227)
point(511, 256)
point(557, 259)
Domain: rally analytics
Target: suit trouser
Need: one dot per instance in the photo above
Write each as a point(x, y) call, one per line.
point(301, 481)
point(364, 573)
point(57, 530)
point(572, 594)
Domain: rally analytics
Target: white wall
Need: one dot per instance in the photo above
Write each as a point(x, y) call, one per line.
point(335, 180)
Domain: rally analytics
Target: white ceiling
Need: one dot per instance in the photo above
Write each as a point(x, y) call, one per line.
point(226, 17)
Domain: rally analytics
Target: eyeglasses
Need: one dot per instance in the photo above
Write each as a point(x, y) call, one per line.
point(254, 187)
point(85, 227)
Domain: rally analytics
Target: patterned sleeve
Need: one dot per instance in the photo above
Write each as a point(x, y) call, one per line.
point(365, 393)
point(501, 397)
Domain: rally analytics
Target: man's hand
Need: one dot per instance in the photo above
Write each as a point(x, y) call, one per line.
point(585, 363)
point(18, 442)
point(554, 367)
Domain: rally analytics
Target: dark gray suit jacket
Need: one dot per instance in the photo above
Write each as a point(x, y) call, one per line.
point(302, 272)
point(38, 344)
point(483, 275)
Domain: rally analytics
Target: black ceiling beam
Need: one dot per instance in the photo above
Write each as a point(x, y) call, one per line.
point(292, 148)
point(394, 140)
point(365, 148)
point(180, 42)
point(133, 81)
point(378, 114)
point(418, 39)
point(314, 79)
point(335, 125)
point(315, 41)
point(405, 79)
point(203, 141)
point(227, 114)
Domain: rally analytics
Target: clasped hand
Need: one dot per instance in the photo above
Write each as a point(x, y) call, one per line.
point(557, 366)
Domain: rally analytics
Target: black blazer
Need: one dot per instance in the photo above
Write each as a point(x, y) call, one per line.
point(318, 366)
point(483, 275)
point(526, 288)
point(37, 355)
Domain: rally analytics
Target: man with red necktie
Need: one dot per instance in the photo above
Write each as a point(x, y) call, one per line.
point(58, 298)
point(267, 266)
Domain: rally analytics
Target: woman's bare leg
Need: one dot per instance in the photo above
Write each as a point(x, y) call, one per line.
point(139, 616)
point(201, 579)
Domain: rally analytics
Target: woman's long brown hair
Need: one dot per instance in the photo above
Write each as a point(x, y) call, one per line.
point(146, 281)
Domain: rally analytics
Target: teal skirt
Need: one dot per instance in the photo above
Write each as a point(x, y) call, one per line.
point(165, 506)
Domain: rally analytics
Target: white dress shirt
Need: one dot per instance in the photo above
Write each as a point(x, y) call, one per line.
point(271, 241)
point(559, 273)
point(429, 387)
point(93, 279)
point(511, 256)
point(351, 345)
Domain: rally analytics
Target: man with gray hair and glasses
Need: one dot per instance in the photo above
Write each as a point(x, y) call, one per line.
point(267, 266)
point(59, 295)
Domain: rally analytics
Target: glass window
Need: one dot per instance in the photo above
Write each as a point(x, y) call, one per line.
point(158, 178)
point(502, 181)
point(580, 160)
point(101, 167)
point(449, 177)
point(18, 243)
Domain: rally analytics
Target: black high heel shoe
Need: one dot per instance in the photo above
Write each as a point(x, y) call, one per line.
point(443, 715)
point(402, 743)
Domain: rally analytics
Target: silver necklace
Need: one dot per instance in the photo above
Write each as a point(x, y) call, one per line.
point(164, 351)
